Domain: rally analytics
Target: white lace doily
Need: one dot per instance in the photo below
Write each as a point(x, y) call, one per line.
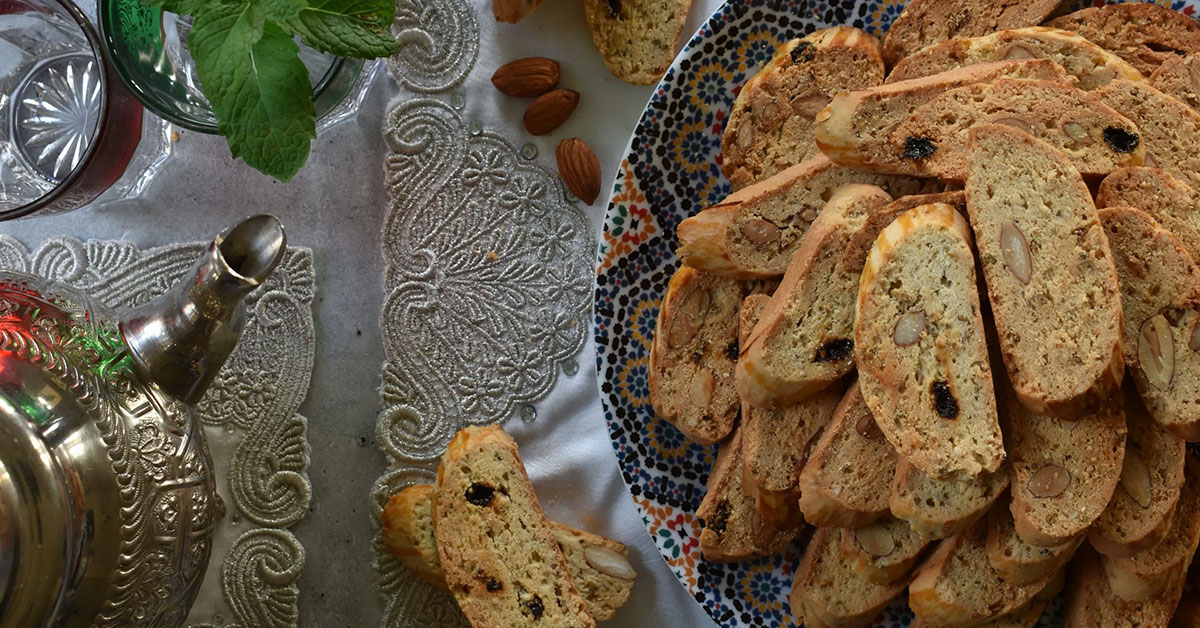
point(488, 281)
point(257, 439)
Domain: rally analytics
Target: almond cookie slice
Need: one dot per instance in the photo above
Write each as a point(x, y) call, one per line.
point(599, 566)
point(956, 585)
point(855, 129)
point(1152, 571)
point(1031, 211)
point(1091, 603)
point(827, 591)
point(1018, 562)
point(884, 550)
point(1167, 199)
point(1160, 295)
point(1063, 472)
point(1179, 78)
point(922, 359)
point(488, 523)
point(770, 126)
point(638, 38)
point(755, 231)
point(693, 356)
point(804, 341)
point(926, 22)
point(940, 509)
point(848, 476)
point(1141, 508)
point(1091, 65)
point(1142, 33)
point(730, 526)
point(1025, 617)
point(1170, 130)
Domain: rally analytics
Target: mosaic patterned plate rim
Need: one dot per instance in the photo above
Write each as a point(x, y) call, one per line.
point(669, 171)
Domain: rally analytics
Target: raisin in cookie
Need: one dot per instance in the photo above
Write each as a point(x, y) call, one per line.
point(1142, 33)
point(638, 38)
point(730, 526)
point(1170, 130)
point(927, 22)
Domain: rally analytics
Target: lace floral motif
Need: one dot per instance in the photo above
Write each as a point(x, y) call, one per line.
point(253, 403)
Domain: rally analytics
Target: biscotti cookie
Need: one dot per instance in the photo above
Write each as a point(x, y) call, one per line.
point(1091, 65)
point(1170, 130)
point(884, 550)
point(1018, 562)
point(1142, 33)
point(849, 473)
point(637, 37)
point(1160, 296)
point(827, 591)
point(927, 22)
point(864, 238)
point(1168, 200)
point(932, 142)
point(599, 566)
point(754, 232)
point(918, 336)
point(1156, 569)
point(1025, 617)
point(693, 356)
point(488, 524)
point(1139, 513)
point(855, 130)
point(1063, 473)
point(804, 341)
point(770, 126)
point(956, 585)
point(940, 509)
point(1057, 313)
point(730, 526)
point(1179, 78)
point(1091, 603)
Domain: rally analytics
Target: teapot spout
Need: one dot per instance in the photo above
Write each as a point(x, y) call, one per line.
point(180, 340)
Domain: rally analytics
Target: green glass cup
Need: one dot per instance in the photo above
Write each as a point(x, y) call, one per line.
point(148, 48)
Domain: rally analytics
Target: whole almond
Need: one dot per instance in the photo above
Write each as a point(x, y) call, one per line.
point(550, 110)
point(579, 169)
point(527, 78)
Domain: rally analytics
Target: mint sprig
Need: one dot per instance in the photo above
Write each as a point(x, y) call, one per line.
point(250, 70)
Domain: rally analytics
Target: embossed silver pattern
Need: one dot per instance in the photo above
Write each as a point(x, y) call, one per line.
point(439, 42)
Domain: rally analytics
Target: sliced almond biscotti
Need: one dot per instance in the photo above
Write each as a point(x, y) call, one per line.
point(1179, 78)
point(848, 476)
point(942, 508)
point(1160, 296)
point(1024, 617)
point(956, 585)
point(1157, 192)
point(1063, 472)
point(1050, 275)
point(922, 359)
point(599, 566)
point(1140, 511)
point(804, 341)
point(884, 550)
point(638, 38)
point(730, 527)
point(1091, 65)
point(693, 356)
point(754, 232)
point(932, 142)
point(1170, 130)
point(1142, 33)
point(1091, 603)
point(855, 130)
point(827, 591)
point(1018, 562)
point(771, 123)
point(927, 22)
point(488, 523)
point(1150, 572)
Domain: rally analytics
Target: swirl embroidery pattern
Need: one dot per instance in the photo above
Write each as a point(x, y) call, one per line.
point(250, 414)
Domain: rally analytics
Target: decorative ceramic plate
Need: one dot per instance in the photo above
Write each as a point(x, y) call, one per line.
point(671, 171)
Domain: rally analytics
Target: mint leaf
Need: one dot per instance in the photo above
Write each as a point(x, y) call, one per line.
point(251, 72)
point(348, 28)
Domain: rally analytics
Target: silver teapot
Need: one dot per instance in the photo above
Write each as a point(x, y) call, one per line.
point(107, 494)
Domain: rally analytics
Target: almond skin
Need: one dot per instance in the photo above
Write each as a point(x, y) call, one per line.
point(550, 110)
point(527, 78)
point(579, 169)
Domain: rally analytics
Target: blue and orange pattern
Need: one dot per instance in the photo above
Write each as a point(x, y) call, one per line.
point(671, 171)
